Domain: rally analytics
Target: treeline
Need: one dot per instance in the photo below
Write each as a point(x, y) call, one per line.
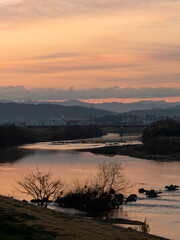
point(13, 136)
point(13, 154)
point(163, 137)
point(162, 128)
point(68, 133)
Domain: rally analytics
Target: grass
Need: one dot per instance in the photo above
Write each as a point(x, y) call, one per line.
point(21, 221)
point(14, 226)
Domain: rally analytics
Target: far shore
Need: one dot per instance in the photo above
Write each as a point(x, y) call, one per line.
point(133, 150)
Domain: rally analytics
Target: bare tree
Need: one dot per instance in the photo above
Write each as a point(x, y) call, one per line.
point(41, 187)
point(111, 176)
point(100, 193)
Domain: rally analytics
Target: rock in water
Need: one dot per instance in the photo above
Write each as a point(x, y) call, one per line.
point(131, 198)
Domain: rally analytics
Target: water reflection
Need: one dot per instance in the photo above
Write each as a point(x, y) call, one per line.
point(162, 213)
point(119, 218)
point(11, 155)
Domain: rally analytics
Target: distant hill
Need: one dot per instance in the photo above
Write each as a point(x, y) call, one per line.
point(117, 107)
point(121, 107)
point(75, 102)
point(35, 112)
point(140, 115)
point(168, 112)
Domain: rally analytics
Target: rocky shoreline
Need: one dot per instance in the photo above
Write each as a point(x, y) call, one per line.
point(133, 150)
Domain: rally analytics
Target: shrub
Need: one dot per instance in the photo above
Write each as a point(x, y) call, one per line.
point(101, 193)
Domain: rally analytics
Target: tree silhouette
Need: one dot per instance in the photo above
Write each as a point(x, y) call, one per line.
point(41, 187)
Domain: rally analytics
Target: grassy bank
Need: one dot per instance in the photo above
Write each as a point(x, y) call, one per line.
point(21, 221)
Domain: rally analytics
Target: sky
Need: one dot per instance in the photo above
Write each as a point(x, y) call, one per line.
point(85, 45)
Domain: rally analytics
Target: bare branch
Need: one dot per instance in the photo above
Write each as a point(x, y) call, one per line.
point(40, 186)
point(111, 176)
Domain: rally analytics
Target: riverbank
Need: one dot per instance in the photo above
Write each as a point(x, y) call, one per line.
point(136, 151)
point(13, 136)
point(21, 221)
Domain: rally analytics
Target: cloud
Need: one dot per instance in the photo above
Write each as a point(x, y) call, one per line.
point(48, 68)
point(68, 62)
point(21, 93)
point(58, 55)
point(146, 78)
point(152, 50)
point(39, 9)
point(167, 55)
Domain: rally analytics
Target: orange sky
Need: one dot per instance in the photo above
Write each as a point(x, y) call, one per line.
point(88, 44)
point(130, 100)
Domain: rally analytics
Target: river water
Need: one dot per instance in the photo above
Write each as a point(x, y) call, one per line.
point(162, 213)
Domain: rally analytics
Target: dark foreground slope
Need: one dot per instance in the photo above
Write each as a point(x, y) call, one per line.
point(21, 221)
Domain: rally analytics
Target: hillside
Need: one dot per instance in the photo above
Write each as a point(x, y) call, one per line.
point(120, 107)
point(171, 112)
point(34, 112)
point(167, 112)
point(21, 221)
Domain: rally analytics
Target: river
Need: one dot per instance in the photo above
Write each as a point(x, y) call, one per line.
point(162, 213)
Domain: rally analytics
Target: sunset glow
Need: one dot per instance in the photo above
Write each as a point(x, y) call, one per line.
point(63, 44)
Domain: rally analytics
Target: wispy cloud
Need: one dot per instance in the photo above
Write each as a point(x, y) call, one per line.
point(93, 70)
point(30, 9)
point(173, 55)
point(69, 62)
point(58, 55)
point(89, 43)
point(145, 78)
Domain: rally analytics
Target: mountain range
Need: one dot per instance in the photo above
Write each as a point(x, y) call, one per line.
point(35, 112)
point(144, 116)
point(12, 111)
point(120, 107)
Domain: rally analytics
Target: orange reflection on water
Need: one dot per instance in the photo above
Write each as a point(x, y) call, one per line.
point(163, 212)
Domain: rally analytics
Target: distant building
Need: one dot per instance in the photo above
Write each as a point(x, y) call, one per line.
point(75, 122)
point(150, 118)
point(57, 122)
point(20, 123)
point(177, 118)
point(135, 120)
